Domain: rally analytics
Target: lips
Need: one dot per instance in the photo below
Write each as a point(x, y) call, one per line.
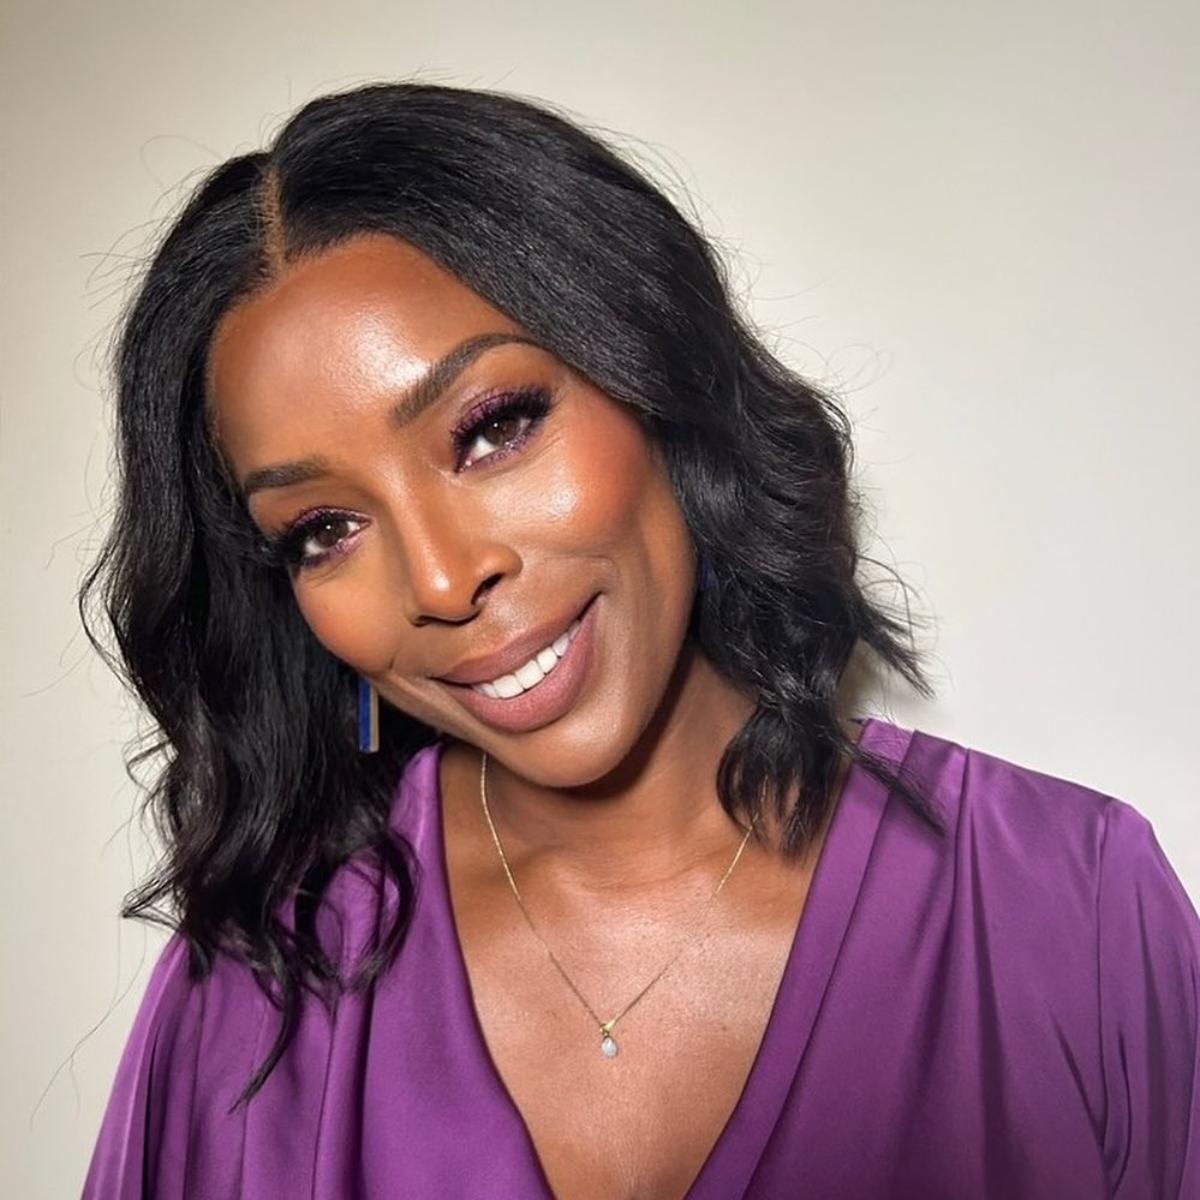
point(549, 700)
point(515, 654)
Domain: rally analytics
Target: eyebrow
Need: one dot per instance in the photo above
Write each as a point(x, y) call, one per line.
point(414, 401)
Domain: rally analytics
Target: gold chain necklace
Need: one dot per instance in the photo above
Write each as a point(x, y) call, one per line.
point(608, 1045)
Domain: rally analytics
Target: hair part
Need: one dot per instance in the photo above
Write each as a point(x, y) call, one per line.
point(274, 240)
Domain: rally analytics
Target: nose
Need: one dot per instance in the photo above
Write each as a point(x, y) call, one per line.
point(448, 559)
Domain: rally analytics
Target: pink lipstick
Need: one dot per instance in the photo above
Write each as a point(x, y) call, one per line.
point(547, 699)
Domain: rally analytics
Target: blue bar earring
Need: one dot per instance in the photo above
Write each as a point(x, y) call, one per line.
point(368, 716)
point(706, 577)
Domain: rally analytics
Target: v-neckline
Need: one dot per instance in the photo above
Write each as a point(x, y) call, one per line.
point(816, 943)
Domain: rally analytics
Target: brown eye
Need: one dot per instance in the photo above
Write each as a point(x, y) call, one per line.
point(314, 540)
point(318, 537)
point(506, 422)
point(322, 533)
point(507, 425)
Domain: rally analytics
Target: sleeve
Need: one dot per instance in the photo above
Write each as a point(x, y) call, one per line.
point(1149, 981)
point(136, 1157)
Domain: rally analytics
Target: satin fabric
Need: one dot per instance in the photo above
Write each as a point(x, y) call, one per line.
point(1009, 1012)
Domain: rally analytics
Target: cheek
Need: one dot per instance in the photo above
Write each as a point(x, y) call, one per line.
point(609, 493)
point(619, 506)
point(342, 620)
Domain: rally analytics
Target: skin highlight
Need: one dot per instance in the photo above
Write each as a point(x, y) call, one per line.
point(611, 809)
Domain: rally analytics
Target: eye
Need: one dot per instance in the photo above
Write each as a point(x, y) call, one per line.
point(313, 539)
point(499, 425)
point(494, 428)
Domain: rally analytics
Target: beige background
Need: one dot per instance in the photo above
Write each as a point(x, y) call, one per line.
point(978, 220)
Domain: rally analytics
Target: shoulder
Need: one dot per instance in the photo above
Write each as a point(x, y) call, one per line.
point(189, 1052)
point(171, 1016)
point(198, 1040)
point(1020, 826)
point(184, 1017)
point(164, 1018)
point(1032, 825)
point(1064, 896)
point(1047, 865)
point(1148, 983)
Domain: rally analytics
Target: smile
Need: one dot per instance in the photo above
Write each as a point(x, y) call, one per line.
point(531, 673)
point(544, 688)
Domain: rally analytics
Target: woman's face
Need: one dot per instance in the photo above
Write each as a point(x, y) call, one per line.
point(436, 516)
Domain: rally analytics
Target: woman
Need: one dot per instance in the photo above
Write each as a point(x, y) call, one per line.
point(438, 401)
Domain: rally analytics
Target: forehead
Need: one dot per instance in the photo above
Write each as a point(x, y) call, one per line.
point(366, 317)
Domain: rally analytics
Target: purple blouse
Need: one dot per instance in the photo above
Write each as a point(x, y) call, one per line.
point(1011, 1012)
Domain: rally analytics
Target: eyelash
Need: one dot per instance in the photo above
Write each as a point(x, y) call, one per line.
point(286, 548)
point(532, 402)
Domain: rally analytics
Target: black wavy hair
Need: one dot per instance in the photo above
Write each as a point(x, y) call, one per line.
point(262, 794)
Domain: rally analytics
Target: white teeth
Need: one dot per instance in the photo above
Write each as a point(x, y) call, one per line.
point(507, 686)
point(533, 672)
point(530, 673)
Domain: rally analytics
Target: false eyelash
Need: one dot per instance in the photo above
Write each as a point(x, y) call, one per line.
point(284, 549)
point(532, 402)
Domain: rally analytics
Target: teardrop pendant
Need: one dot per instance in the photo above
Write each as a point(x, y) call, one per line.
point(608, 1047)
